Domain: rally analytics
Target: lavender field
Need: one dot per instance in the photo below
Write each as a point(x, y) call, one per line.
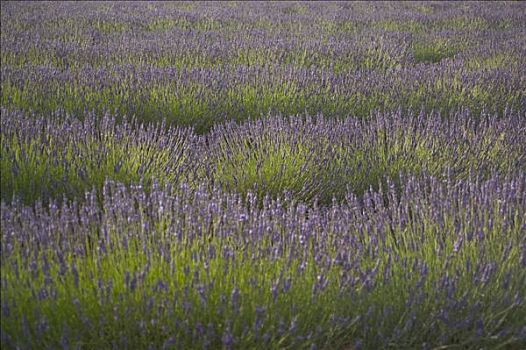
point(263, 175)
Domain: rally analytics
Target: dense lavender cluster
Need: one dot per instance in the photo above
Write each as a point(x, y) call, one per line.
point(311, 158)
point(266, 175)
point(197, 64)
point(443, 263)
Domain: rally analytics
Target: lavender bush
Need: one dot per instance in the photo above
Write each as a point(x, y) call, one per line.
point(179, 262)
point(445, 264)
point(48, 158)
point(310, 158)
point(271, 175)
point(197, 64)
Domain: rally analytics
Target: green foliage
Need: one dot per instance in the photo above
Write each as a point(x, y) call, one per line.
point(219, 70)
point(495, 61)
point(108, 27)
point(464, 24)
point(424, 269)
point(305, 159)
point(317, 65)
point(432, 52)
point(50, 165)
point(161, 25)
point(401, 26)
point(274, 164)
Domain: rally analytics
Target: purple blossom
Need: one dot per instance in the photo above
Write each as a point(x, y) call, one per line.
point(227, 339)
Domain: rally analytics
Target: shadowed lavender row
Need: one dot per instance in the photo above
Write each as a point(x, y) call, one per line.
point(309, 158)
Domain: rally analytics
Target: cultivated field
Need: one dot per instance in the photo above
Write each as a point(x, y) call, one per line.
point(263, 175)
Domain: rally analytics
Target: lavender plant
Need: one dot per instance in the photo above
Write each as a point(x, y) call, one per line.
point(313, 159)
point(442, 265)
point(64, 157)
point(270, 175)
point(203, 64)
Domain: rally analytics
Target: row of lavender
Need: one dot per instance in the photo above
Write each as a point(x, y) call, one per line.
point(325, 229)
point(168, 255)
point(198, 64)
point(313, 158)
point(443, 264)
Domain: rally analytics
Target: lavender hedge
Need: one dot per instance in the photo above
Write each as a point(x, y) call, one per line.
point(265, 234)
point(444, 265)
point(199, 64)
point(313, 158)
point(270, 175)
